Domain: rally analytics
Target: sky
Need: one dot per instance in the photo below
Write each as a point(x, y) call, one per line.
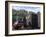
point(28, 8)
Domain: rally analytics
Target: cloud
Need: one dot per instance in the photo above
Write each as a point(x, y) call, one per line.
point(28, 8)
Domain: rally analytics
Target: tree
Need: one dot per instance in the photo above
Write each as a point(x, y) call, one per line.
point(18, 14)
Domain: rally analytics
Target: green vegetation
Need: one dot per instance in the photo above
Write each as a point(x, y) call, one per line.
point(18, 14)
